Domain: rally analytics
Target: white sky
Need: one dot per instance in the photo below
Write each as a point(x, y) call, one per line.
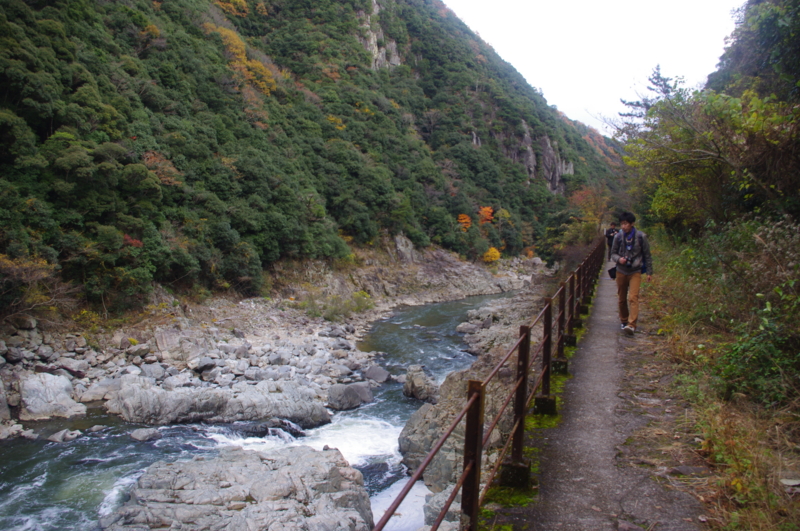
point(587, 54)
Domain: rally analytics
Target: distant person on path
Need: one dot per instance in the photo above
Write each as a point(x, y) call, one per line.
point(610, 233)
point(631, 252)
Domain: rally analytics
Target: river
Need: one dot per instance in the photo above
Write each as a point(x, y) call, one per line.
point(56, 486)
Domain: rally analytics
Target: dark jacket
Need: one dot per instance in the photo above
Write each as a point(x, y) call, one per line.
point(638, 254)
point(610, 233)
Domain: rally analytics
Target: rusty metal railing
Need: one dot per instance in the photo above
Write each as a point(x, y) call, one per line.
point(573, 297)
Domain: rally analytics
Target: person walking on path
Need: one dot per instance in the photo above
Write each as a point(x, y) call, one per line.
point(631, 252)
point(610, 233)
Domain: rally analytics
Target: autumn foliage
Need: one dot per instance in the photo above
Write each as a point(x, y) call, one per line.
point(249, 71)
point(465, 221)
point(166, 172)
point(485, 215)
point(492, 255)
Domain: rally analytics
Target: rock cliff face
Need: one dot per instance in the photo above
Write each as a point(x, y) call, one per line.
point(553, 167)
point(383, 51)
point(293, 488)
point(540, 157)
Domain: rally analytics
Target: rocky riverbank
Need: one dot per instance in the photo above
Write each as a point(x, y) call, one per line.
point(227, 360)
point(293, 488)
point(490, 331)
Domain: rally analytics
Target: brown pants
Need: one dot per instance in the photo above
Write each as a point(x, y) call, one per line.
point(628, 295)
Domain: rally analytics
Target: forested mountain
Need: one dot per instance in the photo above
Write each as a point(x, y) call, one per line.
point(196, 142)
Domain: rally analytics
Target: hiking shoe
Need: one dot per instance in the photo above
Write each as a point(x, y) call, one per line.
point(622, 326)
point(628, 330)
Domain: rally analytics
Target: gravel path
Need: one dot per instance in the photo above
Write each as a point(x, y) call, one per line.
point(589, 478)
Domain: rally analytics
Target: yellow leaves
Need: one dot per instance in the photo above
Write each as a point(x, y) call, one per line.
point(237, 8)
point(337, 122)
point(503, 216)
point(233, 43)
point(492, 255)
point(25, 270)
point(150, 32)
point(260, 76)
point(360, 107)
point(248, 71)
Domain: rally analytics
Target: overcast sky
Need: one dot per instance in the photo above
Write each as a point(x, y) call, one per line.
point(587, 54)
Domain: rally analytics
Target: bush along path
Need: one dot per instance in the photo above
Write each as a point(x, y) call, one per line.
point(618, 458)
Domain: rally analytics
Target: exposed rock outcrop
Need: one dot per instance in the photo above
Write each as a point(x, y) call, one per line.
point(383, 50)
point(46, 395)
point(293, 488)
point(553, 167)
point(140, 400)
point(420, 386)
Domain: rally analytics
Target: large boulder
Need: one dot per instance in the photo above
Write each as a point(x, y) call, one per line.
point(145, 434)
point(342, 397)
point(420, 386)
point(377, 373)
point(293, 488)
point(43, 396)
point(140, 400)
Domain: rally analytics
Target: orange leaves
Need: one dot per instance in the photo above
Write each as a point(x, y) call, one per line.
point(485, 215)
point(465, 221)
point(166, 172)
point(592, 201)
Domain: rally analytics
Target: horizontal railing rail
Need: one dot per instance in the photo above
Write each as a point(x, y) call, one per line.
point(571, 300)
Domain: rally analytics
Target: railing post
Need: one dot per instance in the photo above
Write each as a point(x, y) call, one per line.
point(546, 404)
point(562, 308)
point(473, 448)
point(520, 401)
point(559, 364)
point(547, 350)
point(516, 471)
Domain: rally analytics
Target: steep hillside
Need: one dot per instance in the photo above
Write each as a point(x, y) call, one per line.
point(196, 142)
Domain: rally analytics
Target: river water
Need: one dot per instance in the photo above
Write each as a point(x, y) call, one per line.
point(51, 486)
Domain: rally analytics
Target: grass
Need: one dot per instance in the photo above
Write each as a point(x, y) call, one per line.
point(749, 447)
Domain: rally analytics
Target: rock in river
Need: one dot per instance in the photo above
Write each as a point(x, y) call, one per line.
point(350, 396)
point(140, 400)
point(293, 488)
point(46, 395)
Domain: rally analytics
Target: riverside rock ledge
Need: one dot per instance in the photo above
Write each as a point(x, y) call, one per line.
point(295, 488)
point(140, 400)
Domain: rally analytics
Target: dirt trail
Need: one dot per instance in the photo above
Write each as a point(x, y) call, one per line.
point(594, 472)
